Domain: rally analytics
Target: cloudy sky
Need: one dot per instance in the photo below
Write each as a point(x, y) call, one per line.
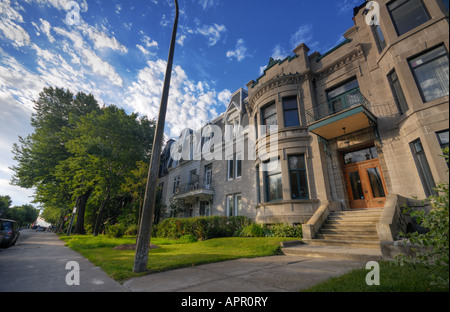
point(117, 50)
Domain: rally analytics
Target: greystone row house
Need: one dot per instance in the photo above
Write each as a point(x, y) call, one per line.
point(360, 127)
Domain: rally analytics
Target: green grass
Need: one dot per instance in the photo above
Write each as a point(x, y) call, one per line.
point(392, 279)
point(171, 255)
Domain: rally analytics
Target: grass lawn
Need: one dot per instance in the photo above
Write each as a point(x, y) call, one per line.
point(171, 255)
point(392, 279)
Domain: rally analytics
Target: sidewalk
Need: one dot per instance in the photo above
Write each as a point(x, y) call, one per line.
point(267, 274)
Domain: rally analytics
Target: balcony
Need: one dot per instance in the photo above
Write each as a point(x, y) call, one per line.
point(194, 190)
point(347, 113)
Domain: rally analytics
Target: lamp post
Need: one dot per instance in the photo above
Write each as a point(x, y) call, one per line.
point(145, 224)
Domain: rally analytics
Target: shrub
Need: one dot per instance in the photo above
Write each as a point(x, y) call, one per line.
point(253, 230)
point(115, 231)
point(284, 230)
point(188, 239)
point(202, 228)
point(132, 230)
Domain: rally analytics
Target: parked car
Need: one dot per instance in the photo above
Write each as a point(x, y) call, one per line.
point(10, 232)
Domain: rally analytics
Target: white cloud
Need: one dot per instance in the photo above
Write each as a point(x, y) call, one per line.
point(102, 40)
point(45, 28)
point(191, 104)
point(240, 52)
point(302, 35)
point(9, 18)
point(206, 4)
point(212, 32)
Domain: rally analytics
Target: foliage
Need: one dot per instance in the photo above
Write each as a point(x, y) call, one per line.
point(24, 214)
point(188, 239)
point(435, 241)
point(115, 231)
point(86, 156)
point(273, 230)
point(284, 230)
point(253, 230)
point(202, 228)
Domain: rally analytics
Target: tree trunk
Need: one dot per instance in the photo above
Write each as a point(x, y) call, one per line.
point(79, 228)
point(99, 216)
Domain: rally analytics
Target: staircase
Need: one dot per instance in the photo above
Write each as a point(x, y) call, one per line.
point(345, 234)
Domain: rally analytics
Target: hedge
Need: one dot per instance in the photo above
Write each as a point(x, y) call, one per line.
point(202, 228)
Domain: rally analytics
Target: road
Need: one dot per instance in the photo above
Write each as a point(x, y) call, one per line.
point(37, 263)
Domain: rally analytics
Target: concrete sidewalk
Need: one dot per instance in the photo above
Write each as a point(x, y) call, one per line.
point(267, 274)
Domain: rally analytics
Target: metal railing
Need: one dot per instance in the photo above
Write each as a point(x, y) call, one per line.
point(193, 186)
point(336, 105)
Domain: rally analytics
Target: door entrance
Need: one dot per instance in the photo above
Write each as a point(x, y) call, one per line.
point(364, 179)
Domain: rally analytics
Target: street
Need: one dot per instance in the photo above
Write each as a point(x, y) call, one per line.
point(37, 263)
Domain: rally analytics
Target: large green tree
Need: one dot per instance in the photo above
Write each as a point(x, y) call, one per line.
point(39, 154)
point(106, 145)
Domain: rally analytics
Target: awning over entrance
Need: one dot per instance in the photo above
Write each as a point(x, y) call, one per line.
point(341, 115)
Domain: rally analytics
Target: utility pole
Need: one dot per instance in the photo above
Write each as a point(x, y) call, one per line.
point(146, 220)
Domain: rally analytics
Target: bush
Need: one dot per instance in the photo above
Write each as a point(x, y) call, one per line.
point(115, 231)
point(188, 239)
point(132, 230)
point(202, 228)
point(253, 230)
point(284, 230)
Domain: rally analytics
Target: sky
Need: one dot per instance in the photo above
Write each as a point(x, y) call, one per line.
point(117, 51)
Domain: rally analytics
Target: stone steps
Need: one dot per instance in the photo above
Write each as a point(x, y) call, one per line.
point(347, 235)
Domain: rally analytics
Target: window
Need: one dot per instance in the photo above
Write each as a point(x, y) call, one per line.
point(258, 186)
point(443, 140)
point(273, 184)
point(176, 184)
point(344, 96)
point(208, 177)
point(238, 204)
point(238, 166)
point(230, 169)
point(297, 175)
point(230, 205)
point(423, 167)
point(379, 37)
point(205, 210)
point(269, 116)
point(397, 91)
point(407, 14)
point(431, 72)
point(290, 107)
point(446, 3)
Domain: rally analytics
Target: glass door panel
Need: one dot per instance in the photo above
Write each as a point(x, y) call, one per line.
point(376, 183)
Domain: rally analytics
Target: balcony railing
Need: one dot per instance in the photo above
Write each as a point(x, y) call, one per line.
point(336, 105)
point(195, 187)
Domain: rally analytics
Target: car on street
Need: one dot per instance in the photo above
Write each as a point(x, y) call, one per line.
point(9, 232)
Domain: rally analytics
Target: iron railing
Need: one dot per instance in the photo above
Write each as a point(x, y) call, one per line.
point(336, 105)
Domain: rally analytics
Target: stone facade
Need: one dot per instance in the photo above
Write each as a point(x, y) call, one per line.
point(376, 93)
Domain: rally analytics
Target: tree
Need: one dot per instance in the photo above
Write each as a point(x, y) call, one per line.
point(24, 214)
point(105, 146)
point(39, 154)
point(5, 203)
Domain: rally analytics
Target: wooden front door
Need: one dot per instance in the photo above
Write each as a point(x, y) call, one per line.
point(365, 184)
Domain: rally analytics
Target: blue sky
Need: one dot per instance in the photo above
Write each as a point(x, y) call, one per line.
point(117, 50)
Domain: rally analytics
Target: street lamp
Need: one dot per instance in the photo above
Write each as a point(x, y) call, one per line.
point(145, 225)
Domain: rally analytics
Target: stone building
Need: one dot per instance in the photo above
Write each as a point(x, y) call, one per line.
point(357, 127)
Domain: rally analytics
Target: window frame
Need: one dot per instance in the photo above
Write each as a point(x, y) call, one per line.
point(298, 172)
point(402, 107)
point(423, 168)
point(264, 117)
point(286, 110)
point(413, 68)
point(267, 177)
point(380, 42)
point(394, 21)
